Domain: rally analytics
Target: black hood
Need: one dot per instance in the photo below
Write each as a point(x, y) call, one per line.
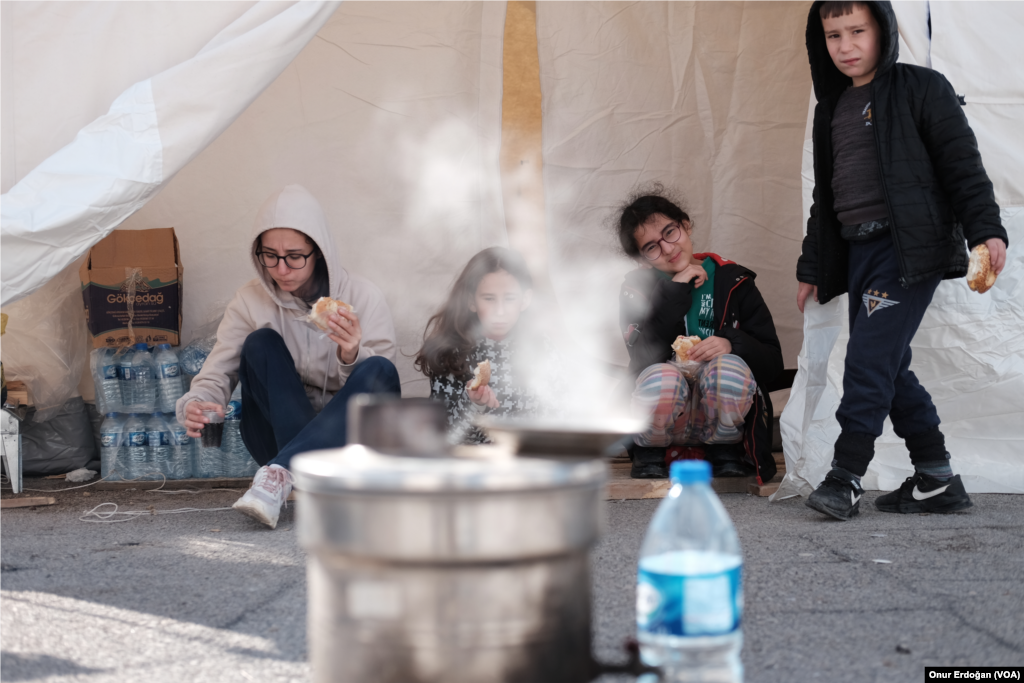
point(829, 81)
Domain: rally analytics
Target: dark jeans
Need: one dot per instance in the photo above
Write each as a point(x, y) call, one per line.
point(278, 420)
point(884, 316)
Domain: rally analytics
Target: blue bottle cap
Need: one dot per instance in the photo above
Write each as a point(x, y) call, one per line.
point(690, 472)
point(111, 415)
point(163, 346)
point(142, 346)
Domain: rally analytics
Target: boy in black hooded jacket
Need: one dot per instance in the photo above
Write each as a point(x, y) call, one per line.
point(898, 183)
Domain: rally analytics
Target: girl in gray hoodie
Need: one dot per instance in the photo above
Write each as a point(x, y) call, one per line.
point(296, 380)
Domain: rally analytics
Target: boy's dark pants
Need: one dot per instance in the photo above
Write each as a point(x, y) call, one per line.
point(877, 381)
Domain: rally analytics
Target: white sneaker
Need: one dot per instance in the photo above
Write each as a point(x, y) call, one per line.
point(269, 490)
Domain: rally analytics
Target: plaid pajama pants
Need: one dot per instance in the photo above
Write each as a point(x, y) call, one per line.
point(708, 410)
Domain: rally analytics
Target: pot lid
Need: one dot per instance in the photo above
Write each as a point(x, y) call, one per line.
point(357, 468)
point(560, 436)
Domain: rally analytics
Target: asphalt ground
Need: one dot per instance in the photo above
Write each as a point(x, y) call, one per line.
point(211, 596)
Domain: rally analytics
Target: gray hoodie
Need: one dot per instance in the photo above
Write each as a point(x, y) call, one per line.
point(259, 303)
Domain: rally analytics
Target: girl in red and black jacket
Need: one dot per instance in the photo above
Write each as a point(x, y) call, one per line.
point(676, 292)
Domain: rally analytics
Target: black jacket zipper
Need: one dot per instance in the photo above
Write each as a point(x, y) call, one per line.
point(885, 190)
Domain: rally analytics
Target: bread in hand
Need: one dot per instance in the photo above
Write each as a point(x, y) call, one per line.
point(682, 346)
point(481, 375)
point(980, 276)
point(322, 310)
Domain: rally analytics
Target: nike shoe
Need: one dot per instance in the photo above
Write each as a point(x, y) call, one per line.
point(269, 490)
point(839, 495)
point(921, 493)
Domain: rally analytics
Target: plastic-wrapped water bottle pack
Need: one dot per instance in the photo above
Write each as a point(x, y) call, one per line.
point(137, 391)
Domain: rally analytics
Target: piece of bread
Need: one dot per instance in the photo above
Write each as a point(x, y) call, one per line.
point(980, 276)
point(323, 308)
point(481, 376)
point(682, 346)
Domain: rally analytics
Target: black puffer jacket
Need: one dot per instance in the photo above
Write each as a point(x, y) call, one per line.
point(652, 313)
point(934, 183)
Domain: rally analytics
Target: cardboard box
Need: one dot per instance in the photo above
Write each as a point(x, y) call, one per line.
point(131, 286)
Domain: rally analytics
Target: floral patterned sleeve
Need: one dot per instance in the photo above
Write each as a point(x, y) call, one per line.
point(459, 408)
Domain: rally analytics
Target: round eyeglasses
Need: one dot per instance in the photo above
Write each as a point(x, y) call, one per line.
point(670, 235)
point(269, 259)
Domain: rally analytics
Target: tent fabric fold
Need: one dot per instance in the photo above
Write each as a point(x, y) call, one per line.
point(117, 163)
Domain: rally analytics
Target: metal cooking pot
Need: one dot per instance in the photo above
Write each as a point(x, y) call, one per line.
point(448, 570)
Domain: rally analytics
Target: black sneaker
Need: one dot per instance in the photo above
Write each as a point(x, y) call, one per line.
point(728, 460)
point(648, 463)
point(839, 495)
point(922, 493)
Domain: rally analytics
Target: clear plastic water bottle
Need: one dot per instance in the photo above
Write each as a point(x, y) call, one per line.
point(124, 377)
point(104, 364)
point(181, 465)
point(135, 448)
point(112, 448)
point(239, 462)
point(210, 462)
point(168, 378)
point(158, 444)
point(138, 380)
point(689, 596)
point(194, 354)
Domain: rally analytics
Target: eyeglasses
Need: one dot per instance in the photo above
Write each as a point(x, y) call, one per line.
point(269, 259)
point(671, 235)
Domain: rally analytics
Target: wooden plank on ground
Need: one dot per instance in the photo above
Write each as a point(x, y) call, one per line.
point(215, 483)
point(30, 501)
point(765, 490)
point(622, 487)
point(768, 488)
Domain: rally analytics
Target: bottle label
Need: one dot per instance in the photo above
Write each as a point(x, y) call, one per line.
point(169, 370)
point(689, 605)
point(158, 438)
point(110, 439)
point(126, 373)
point(136, 438)
point(109, 372)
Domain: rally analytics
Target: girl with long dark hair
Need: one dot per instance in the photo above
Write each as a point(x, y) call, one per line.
point(479, 322)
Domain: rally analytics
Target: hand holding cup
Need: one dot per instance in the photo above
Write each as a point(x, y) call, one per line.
point(198, 414)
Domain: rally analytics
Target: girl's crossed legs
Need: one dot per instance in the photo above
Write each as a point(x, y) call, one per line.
point(711, 411)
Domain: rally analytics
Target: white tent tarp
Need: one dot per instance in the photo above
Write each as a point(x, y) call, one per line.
point(391, 116)
point(115, 164)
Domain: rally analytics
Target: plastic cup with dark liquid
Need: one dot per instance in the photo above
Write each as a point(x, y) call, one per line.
point(213, 430)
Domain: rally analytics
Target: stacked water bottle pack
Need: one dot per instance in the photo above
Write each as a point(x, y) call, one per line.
point(140, 436)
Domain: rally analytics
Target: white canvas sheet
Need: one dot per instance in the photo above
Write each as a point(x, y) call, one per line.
point(969, 351)
point(115, 164)
point(391, 117)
